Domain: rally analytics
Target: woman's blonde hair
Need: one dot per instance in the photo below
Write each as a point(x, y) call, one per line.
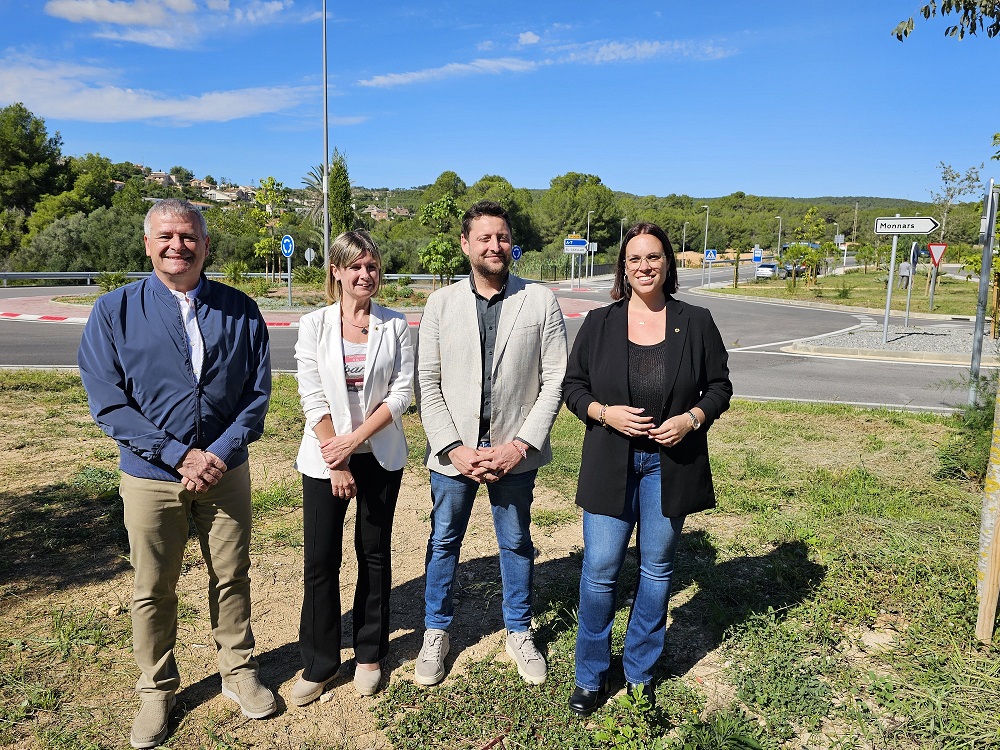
point(347, 248)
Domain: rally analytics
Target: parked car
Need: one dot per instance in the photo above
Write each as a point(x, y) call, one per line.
point(800, 270)
point(769, 271)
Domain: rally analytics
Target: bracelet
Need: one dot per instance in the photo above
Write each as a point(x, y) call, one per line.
point(604, 411)
point(520, 449)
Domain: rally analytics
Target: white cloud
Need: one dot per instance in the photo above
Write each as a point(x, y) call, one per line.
point(452, 70)
point(78, 92)
point(486, 46)
point(138, 13)
point(528, 37)
point(260, 12)
point(601, 53)
point(217, 4)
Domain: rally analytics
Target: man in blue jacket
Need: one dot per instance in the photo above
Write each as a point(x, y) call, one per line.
point(177, 371)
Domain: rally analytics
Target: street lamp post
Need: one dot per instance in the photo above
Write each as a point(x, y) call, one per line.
point(684, 234)
point(621, 230)
point(589, 255)
point(705, 252)
point(778, 251)
point(326, 149)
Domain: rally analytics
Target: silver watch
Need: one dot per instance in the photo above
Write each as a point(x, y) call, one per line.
point(695, 422)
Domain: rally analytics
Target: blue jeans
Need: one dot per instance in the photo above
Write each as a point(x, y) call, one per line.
point(605, 540)
point(510, 500)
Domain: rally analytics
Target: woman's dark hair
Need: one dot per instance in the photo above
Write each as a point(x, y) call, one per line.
point(622, 289)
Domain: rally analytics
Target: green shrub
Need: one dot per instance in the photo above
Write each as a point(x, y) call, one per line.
point(235, 271)
point(256, 287)
point(111, 280)
point(312, 275)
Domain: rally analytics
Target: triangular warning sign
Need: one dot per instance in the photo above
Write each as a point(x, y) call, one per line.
point(936, 249)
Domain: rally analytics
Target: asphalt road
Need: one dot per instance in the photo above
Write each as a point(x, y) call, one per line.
point(754, 331)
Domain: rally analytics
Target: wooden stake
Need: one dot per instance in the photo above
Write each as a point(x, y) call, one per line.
point(991, 591)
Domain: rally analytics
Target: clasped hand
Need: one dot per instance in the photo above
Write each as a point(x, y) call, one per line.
point(200, 470)
point(631, 422)
point(337, 450)
point(485, 465)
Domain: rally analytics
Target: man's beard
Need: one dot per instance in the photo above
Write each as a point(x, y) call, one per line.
point(481, 268)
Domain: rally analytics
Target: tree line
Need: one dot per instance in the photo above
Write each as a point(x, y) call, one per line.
point(68, 213)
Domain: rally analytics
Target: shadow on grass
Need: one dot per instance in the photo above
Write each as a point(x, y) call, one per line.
point(46, 534)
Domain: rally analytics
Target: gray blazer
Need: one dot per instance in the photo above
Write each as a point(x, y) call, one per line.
point(528, 367)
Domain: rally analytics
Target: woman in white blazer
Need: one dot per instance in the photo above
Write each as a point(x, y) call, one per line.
point(355, 375)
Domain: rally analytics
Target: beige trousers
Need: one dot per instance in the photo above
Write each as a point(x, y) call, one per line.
point(156, 517)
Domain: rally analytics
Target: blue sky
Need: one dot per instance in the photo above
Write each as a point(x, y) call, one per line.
point(787, 98)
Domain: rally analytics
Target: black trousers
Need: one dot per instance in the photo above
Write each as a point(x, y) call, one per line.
point(323, 521)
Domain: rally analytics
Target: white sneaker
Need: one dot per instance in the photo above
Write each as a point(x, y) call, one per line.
point(530, 663)
point(430, 660)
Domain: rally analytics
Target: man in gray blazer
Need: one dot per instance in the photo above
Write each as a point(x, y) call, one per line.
point(491, 361)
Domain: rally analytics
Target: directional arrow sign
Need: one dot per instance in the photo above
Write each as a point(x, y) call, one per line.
point(575, 245)
point(287, 246)
point(905, 225)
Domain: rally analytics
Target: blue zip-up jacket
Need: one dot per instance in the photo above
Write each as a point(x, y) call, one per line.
point(136, 368)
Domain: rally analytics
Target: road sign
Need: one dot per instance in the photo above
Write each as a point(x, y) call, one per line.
point(758, 254)
point(905, 225)
point(936, 249)
point(287, 246)
point(515, 252)
point(711, 255)
point(575, 245)
point(838, 239)
point(310, 255)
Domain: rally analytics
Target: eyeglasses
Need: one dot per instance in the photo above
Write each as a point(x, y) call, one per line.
point(653, 259)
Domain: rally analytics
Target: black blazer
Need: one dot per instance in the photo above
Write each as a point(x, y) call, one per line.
point(697, 374)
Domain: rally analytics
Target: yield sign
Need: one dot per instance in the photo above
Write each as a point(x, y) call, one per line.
point(936, 250)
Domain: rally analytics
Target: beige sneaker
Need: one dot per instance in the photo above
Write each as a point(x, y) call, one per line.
point(430, 660)
point(530, 663)
point(149, 728)
point(255, 700)
point(366, 680)
point(305, 691)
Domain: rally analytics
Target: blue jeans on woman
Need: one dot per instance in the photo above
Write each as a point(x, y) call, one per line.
point(605, 540)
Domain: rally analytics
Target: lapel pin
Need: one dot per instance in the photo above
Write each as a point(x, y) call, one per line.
point(677, 330)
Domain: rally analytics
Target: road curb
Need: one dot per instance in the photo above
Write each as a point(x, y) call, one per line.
point(888, 354)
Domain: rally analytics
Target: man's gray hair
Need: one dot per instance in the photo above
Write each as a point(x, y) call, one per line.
point(174, 208)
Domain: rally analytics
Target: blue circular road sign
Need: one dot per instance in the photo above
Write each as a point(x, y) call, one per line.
point(287, 246)
point(515, 253)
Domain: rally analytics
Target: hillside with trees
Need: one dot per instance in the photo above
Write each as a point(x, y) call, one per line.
point(84, 213)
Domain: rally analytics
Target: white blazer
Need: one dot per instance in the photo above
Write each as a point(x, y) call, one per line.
point(319, 353)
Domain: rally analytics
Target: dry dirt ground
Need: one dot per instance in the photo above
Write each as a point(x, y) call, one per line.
point(65, 588)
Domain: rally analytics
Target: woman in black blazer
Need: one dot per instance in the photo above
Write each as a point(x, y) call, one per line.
point(648, 376)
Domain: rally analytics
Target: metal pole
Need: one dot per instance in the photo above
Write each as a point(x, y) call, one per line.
point(289, 281)
point(326, 150)
point(984, 287)
point(909, 284)
point(588, 241)
point(934, 271)
point(777, 252)
point(705, 252)
point(888, 288)
point(684, 235)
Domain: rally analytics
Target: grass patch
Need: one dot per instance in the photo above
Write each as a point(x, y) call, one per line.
point(951, 297)
point(828, 601)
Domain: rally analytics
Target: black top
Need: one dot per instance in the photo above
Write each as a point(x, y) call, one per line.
point(647, 367)
point(696, 374)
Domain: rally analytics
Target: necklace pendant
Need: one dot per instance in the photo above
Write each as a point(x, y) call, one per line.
point(365, 330)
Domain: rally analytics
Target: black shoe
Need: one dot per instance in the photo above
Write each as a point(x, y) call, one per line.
point(583, 702)
point(646, 689)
